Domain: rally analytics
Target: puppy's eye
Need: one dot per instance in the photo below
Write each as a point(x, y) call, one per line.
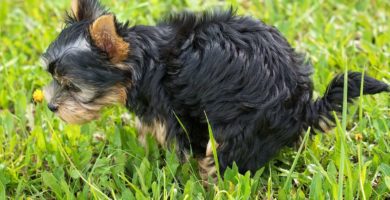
point(51, 67)
point(71, 87)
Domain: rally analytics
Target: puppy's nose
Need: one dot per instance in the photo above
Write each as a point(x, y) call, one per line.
point(52, 107)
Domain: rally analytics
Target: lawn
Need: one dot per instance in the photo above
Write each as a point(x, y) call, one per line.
point(43, 158)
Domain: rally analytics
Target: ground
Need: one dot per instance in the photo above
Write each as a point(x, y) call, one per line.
point(43, 158)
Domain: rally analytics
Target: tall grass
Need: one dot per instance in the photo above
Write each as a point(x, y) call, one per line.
point(43, 158)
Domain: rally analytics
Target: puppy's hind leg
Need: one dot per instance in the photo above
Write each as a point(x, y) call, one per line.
point(207, 167)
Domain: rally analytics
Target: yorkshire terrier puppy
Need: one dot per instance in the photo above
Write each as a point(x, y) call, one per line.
point(237, 72)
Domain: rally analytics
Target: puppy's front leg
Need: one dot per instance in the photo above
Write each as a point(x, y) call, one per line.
point(156, 128)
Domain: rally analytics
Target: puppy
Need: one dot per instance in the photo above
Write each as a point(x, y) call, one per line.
point(235, 72)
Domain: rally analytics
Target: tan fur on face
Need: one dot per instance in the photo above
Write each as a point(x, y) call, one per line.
point(117, 94)
point(74, 112)
point(157, 129)
point(103, 33)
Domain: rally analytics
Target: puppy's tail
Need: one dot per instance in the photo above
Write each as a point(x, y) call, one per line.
point(319, 113)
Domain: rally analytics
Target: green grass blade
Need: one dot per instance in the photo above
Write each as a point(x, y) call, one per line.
point(288, 180)
point(213, 146)
point(342, 131)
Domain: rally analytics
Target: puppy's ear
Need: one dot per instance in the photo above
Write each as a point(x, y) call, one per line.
point(87, 9)
point(105, 37)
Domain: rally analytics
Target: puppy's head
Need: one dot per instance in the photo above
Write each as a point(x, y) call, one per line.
point(86, 62)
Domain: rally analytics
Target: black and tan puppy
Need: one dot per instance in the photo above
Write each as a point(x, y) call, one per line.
point(254, 88)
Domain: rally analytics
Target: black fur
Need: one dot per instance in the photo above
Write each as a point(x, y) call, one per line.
point(254, 88)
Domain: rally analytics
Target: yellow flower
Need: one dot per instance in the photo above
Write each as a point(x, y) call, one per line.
point(38, 96)
point(358, 137)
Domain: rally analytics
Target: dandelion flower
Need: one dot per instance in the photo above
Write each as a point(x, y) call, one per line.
point(38, 96)
point(358, 137)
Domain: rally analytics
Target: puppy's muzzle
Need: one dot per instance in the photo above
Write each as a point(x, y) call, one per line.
point(52, 107)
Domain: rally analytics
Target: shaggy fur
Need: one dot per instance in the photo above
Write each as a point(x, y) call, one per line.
point(242, 74)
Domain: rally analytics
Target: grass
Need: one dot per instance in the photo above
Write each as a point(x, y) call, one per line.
point(43, 158)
